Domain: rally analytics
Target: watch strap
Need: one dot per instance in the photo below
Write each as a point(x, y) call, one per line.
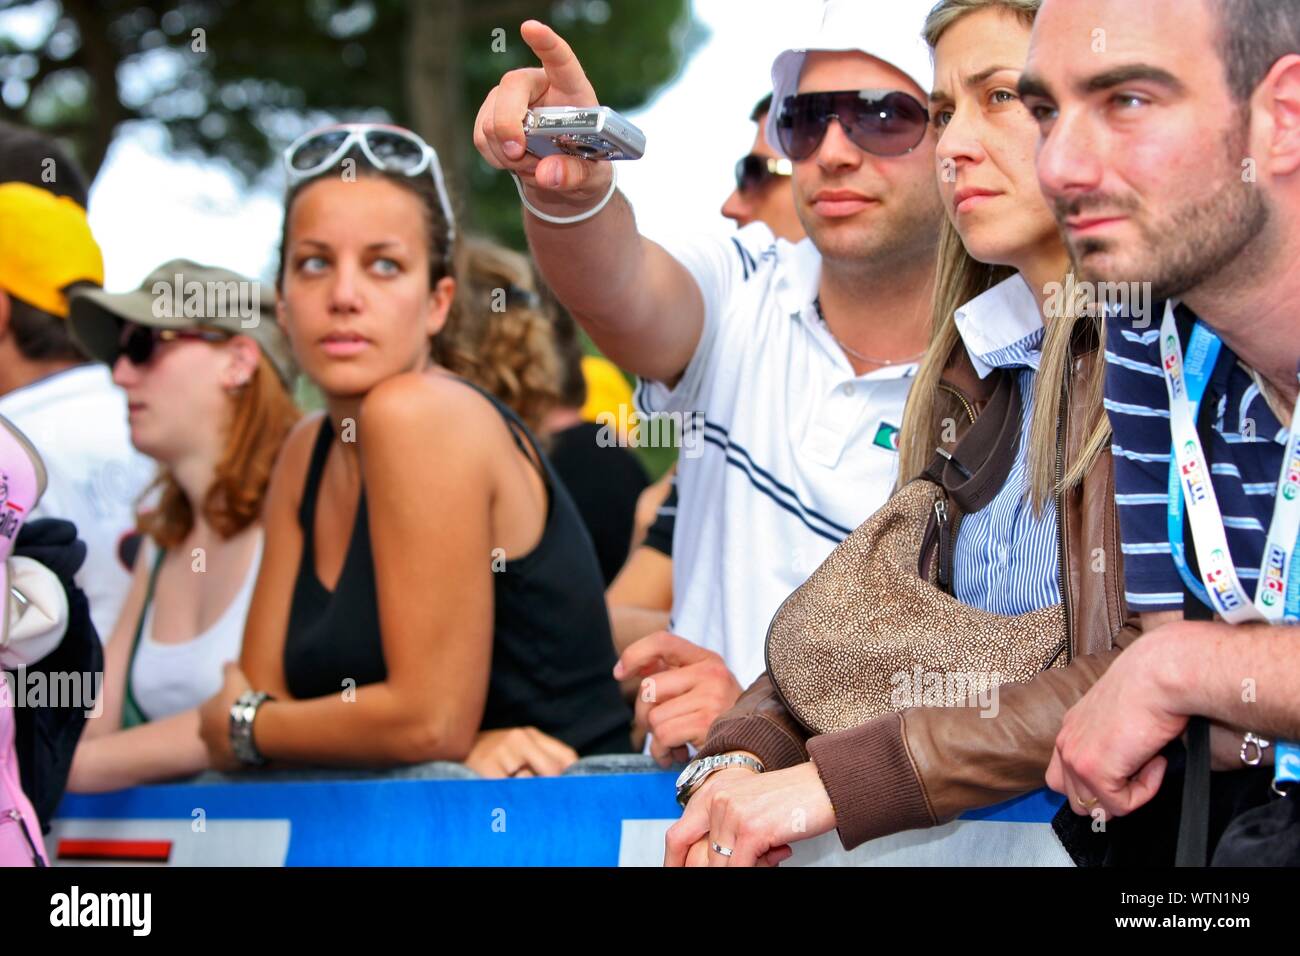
point(242, 713)
point(708, 766)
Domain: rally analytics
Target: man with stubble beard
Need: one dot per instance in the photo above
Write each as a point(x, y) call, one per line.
point(1171, 152)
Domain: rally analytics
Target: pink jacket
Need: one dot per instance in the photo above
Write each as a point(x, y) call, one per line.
point(22, 482)
point(20, 832)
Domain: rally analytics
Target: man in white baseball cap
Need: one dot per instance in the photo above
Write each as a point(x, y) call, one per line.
point(793, 360)
point(885, 30)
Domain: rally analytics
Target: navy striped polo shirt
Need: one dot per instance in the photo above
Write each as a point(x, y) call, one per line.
point(1245, 460)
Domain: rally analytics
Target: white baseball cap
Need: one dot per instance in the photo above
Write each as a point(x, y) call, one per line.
point(889, 30)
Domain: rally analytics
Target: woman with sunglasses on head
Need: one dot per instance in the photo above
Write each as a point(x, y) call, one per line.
point(1047, 539)
point(207, 389)
point(429, 592)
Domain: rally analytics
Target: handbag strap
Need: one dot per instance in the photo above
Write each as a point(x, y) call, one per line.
point(973, 473)
point(977, 468)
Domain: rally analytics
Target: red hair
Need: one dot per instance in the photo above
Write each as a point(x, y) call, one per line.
point(264, 412)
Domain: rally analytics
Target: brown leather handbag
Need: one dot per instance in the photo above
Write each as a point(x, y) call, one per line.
point(876, 629)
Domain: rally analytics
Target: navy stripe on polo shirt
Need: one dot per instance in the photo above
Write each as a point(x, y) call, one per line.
point(1245, 460)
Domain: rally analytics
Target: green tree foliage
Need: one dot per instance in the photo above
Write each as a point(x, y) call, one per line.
point(238, 79)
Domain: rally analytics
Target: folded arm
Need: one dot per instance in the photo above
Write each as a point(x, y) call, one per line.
point(435, 614)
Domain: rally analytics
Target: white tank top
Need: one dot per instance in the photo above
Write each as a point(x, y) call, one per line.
point(169, 678)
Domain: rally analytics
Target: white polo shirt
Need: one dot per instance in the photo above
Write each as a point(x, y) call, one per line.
point(797, 449)
point(77, 421)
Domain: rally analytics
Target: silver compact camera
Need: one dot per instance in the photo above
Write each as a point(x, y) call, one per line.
point(589, 132)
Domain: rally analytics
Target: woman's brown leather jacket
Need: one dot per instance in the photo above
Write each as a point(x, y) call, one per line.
point(924, 766)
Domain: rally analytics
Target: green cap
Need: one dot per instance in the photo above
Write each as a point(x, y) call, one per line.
point(182, 295)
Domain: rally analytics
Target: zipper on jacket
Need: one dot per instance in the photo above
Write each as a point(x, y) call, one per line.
point(940, 539)
point(16, 817)
point(965, 402)
point(1061, 428)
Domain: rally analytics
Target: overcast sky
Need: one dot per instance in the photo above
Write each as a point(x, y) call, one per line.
point(147, 207)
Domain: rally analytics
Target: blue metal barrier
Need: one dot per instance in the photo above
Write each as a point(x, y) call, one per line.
point(599, 815)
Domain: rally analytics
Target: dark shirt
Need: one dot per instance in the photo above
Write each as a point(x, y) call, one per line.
point(552, 654)
point(605, 483)
point(660, 535)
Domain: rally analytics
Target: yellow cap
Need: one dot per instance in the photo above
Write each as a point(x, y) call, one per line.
point(45, 245)
point(607, 391)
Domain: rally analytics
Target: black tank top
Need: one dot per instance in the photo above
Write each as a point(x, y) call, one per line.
point(552, 655)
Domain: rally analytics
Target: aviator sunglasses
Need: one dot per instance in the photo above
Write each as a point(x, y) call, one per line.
point(880, 122)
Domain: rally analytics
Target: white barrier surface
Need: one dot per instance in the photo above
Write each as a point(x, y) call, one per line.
point(959, 843)
point(218, 843)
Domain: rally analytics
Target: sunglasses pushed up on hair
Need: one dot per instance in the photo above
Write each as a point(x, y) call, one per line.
point(880, 122)
point(390, 149)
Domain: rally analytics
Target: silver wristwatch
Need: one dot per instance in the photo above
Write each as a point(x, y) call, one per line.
point(701, 768)
point(242, 712)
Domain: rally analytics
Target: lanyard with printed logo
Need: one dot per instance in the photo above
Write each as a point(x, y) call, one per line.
point(1277, 594)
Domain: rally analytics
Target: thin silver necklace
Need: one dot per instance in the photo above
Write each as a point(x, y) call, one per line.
point(817, 303)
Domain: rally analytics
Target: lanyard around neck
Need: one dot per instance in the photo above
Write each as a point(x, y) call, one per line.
point(1277, 595)
point(1277, 592)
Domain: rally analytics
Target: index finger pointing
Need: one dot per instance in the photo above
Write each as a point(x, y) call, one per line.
point(561, 64)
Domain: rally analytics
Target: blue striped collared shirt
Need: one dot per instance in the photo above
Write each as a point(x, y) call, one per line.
point(1006, 560)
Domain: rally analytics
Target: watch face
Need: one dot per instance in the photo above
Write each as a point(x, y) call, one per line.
point(685, 776)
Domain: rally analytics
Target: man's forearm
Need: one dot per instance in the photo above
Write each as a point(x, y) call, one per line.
point(639, 305)
point(1245, 675)
point(591, 266)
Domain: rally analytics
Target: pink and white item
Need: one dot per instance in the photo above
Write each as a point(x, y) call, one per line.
point(22, 482)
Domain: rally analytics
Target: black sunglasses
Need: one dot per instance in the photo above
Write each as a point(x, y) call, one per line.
point(754, 172)
point(880, 122)
point(138, 342)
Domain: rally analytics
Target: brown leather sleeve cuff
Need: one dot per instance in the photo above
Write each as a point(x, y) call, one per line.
point(871, 781)
point(765, 739)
